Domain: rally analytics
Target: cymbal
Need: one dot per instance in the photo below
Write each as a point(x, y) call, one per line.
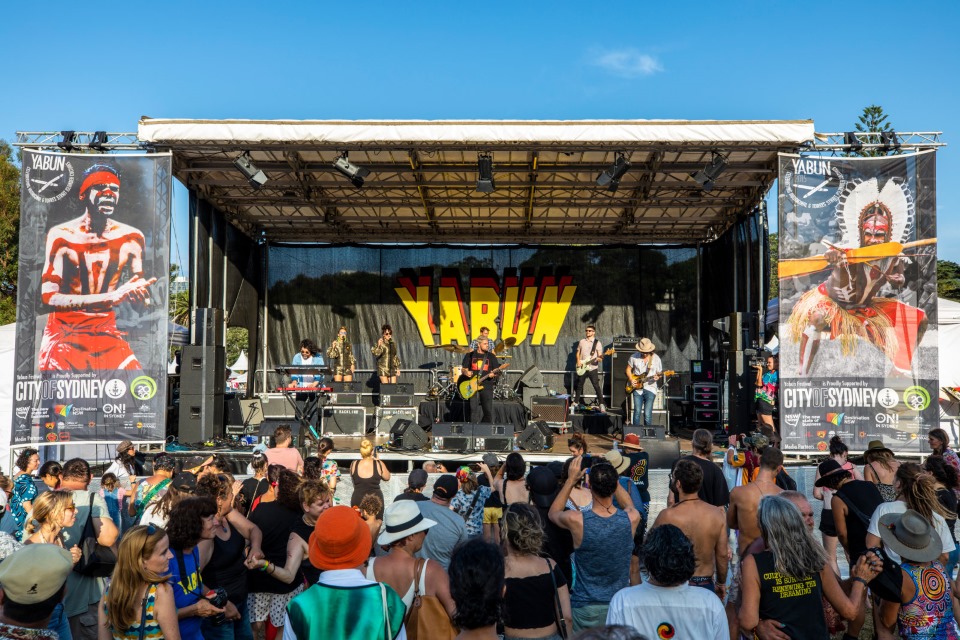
point(436, 346)
point(455, 348)
point(503, 345)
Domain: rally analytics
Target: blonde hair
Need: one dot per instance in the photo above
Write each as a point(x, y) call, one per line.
point(521, 530)
point(129, 576)
point(310, 491)
point(366, 448)
point(49, 507)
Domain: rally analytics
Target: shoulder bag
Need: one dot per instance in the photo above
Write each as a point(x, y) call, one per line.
point(473, 505)
point(557, 611)
point(96, 560)
point(426, 617)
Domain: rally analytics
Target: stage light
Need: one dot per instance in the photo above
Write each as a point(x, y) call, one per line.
point(485, 173)
point(854, 145)
point(99, 139)
point(710, 172)
point(610, 177)
point(353, 172)
point(254, 176)
point(889, 140)
point(66, 140)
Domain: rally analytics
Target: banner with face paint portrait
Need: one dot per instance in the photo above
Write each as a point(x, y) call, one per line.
point(92, 298)
point(858, 301)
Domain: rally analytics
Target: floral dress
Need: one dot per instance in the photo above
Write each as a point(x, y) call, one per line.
point(23, 491)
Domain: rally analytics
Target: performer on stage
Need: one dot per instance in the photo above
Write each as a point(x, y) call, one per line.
point(309, 355)
point(847, 305)
point(388, 361)
point(644, 365)
point(93, 264)
point(341, 357)
point(484, 333)
point(481, 362)
point(589, 353)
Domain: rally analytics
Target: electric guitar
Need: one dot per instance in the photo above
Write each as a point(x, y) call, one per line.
point(583, 367)
point(636, 382)
point(469, 387)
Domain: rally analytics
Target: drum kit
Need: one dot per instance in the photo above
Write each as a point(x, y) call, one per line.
point(444, 379)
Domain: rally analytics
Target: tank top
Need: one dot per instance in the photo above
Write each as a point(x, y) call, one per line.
point(303, 530)
point(602, 561)
point(930, 613)
point(887, 491)
point(226, 569)
point(796, 603)
point(528, 603)
point(408, 596)
point(364, 486)
point(151, 629)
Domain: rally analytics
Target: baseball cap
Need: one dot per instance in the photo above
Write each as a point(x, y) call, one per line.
point(35, 572)
point(185, 482)
point(446, 487)
point(417, 479)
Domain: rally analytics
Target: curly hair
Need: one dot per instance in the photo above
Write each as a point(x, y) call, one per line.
point(514, 466)
point(287, 484)
point(942, 472)
point(689, 474)
point(918, 490)
point(312, 467)
point(24, 458)
point(310, 345)
point(164, 462)
point(312, 490)
point(185, 525)
point(218, 486)
point(476, 584)
point(668, 555)
point(521, 530)
point(371, 503)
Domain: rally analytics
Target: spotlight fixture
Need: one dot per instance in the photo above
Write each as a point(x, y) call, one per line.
point(254, 176)
point(610, 177)
point(66, 140)
point(485, 173)
point(889, 140)
point(854, 145)
point(710, 172)
point(353, 172)
point(98, 140)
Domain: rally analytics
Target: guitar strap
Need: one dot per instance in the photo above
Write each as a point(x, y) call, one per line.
point(593, 349)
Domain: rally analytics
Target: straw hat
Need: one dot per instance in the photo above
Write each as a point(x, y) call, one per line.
point(910, 536)
point(402, 519)
point(645, 346)
point(618, 460)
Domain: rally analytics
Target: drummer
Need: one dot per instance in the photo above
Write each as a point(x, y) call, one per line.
point(309, 355)
point(484, 333)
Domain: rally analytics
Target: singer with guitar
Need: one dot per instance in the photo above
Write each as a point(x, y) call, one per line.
point(589, 355)
point(644, 366)
point(481, 364)
point(341, 357)
point(388, 360)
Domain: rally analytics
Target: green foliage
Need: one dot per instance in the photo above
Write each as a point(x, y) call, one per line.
point(237, 339)
point(872, 120)
point(948, 280)
point(9, 233)
point(179, 308)
point(774, 240)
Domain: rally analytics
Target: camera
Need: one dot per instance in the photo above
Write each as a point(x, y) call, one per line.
point(218, 598)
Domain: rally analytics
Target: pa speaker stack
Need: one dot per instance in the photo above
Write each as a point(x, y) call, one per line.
point(396, 395)
point(407, 435)
point(538, 436)
point(492, 437)
point(345, 393)
point(467, 436)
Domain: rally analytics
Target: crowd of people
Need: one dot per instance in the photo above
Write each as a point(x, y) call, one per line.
point(495, 550)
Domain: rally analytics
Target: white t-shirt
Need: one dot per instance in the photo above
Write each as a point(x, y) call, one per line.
point(670, 612)
point(118, 469)
point(899, 507)
point(651, 368)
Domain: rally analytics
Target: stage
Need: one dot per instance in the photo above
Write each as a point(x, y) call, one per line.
point(513, 412)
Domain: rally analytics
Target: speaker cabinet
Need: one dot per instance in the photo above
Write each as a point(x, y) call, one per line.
point(532, 377)
point(244, 411)
point(407, 435)
point(208, 327)
point(396, 395)
point(344, 421)
point(529, 393)
point(276, 405)
point(452, 436)
point(203, 370)
point(663, 453)
point(549, 409)
point(389, 416)
point(344, 393)
point(618, 373)
point(536, 437)
point(652, 432)
point(201, 417)
point(492, 437)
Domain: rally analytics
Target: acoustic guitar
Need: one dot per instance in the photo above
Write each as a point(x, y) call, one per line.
point(636, 382)
point(584, 366)
point(469, 387)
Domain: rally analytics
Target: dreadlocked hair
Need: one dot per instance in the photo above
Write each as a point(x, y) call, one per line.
point(919, 491)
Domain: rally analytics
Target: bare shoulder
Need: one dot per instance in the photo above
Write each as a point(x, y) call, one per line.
point(164, 590)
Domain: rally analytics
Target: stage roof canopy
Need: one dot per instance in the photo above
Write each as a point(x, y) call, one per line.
point(422, 185)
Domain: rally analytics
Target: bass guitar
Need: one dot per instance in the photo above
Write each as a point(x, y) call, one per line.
point(469, 387)
point(636, 382)
point(585, 366)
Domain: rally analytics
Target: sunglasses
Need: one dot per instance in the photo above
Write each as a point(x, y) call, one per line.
point(151, 529)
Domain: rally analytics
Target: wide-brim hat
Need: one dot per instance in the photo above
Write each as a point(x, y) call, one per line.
point(632, 441)
point(877, 445)
point(542, 484)
point(340, 540)
point(402, 519)
point(645, 346)
point(828, 468)
point(124, 446)
point(910, 536)
point(620, 462)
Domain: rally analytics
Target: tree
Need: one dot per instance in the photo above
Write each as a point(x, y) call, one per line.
point(9, 233)
point(179, 308)
point(872, 120)
point(237, 341)
point(948, 280)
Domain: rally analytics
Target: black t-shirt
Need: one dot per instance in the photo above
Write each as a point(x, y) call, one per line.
point(866, 498)
point(796, 603)
point(310, 572)
point(714, 489)
point(639, 472)
point(480, 363)
point(557, 544)
point(949, 500)
point(275, 522)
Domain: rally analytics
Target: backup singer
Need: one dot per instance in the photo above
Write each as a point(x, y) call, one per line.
point(589, 353)
point(309, 355)
point(480, 363)
point(645, 366)
point(388, 361)
point(341, 357)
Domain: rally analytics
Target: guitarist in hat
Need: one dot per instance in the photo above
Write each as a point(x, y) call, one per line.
point(644, 370)
point(481, 363)
point(589, 354)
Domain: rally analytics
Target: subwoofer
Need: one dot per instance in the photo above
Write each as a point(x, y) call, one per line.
point(407, 435)
point(536, 437)
point(492, 437)
point(452, 436)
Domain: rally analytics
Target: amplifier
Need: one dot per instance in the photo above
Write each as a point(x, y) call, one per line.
point(492, 437)
point(396, 395)
point(646, 432)
point(389, 416)
point(622, 343)
point(344, 421)
point(408, 435)
point(345, 393)
point(538, 436)
point(549, 409)
point(452, 436)
point(706, 415)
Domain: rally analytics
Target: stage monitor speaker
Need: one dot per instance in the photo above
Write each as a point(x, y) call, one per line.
point(344, 421)
point(407, 435)
point(655, 431)
point(538, 436)
point(663, 453)
point(389, 416)
point(531, 378)
point(244, 411)
point(492, 437)
point(344, 393)
point(201, 417)
point(396, 395)
point(452, 436)
point(208, 326)
point(549, 409)
point(203, 369)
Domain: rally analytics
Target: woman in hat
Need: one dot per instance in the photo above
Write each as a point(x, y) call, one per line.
point(529, 603)
point(787, 581)
point(926, 592)
point(880, 468)
point(644, 365)
point(939, 443)
point(124, 466)
point(403, 533)
point(828, 530)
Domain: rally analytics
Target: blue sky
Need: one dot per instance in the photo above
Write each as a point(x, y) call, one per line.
point(76, 66)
